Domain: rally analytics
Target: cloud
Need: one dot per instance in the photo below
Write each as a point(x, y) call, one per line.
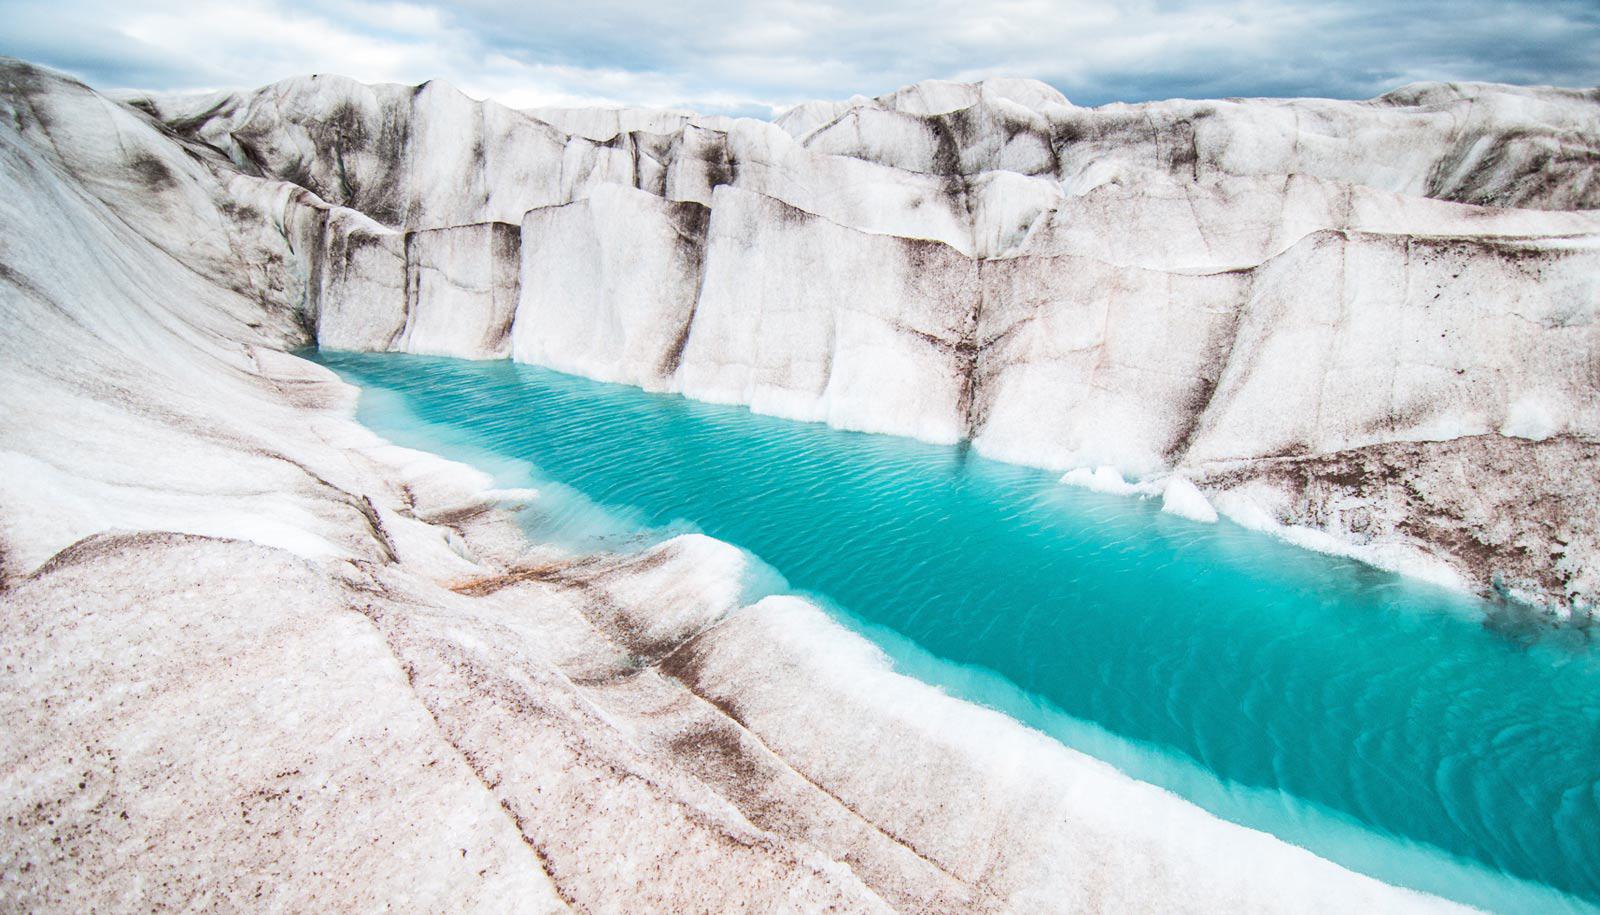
point(761, 55)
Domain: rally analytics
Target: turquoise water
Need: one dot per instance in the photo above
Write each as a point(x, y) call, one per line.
point(1394, 727)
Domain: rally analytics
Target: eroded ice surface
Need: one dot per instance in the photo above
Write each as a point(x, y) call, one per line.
point(242, 637)
point(1388, 725)
point(1370, 324)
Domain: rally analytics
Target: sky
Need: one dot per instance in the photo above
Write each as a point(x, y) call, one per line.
point(760, 56)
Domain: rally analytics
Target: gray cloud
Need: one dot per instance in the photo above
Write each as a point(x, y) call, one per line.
point(752, 57)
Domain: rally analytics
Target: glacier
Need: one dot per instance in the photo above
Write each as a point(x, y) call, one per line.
point(235, 621)
point(1373, 321)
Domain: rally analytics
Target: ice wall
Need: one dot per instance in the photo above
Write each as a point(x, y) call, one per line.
point(1155, 287)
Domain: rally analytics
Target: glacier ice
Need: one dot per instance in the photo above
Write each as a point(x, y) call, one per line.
point(1167, 288)
point(233, 619)
point(1180, 497)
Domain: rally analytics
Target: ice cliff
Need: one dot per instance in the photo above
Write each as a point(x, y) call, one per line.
point(253, 657)
point(1370, 320)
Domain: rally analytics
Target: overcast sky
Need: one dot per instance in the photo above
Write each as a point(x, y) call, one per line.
point(760, 55)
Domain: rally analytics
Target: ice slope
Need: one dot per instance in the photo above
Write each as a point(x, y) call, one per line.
point(1173, 286)
point(253, 657)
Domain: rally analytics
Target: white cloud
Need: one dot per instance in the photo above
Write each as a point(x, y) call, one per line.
point(764, 53)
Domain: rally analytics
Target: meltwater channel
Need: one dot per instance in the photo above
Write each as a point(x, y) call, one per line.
point(1380, 722)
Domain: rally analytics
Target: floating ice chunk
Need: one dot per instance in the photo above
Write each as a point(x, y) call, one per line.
point(1100, 479)
point(1182, 498)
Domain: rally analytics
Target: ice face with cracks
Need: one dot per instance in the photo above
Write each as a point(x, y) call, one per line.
point(162, 255)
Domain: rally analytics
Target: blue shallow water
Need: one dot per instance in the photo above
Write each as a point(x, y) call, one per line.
point(1378, 721)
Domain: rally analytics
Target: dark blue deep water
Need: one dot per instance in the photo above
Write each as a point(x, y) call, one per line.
point(1378, 721)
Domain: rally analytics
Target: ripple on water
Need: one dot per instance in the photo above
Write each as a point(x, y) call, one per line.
point(1396, 728)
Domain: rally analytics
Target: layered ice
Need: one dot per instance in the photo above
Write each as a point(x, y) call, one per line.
point(243, 637)
point(1165, 288)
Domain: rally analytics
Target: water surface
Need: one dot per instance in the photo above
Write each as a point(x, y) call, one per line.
point(1376, 720)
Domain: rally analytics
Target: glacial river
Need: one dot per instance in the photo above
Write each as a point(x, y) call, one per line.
point(1397, 728)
